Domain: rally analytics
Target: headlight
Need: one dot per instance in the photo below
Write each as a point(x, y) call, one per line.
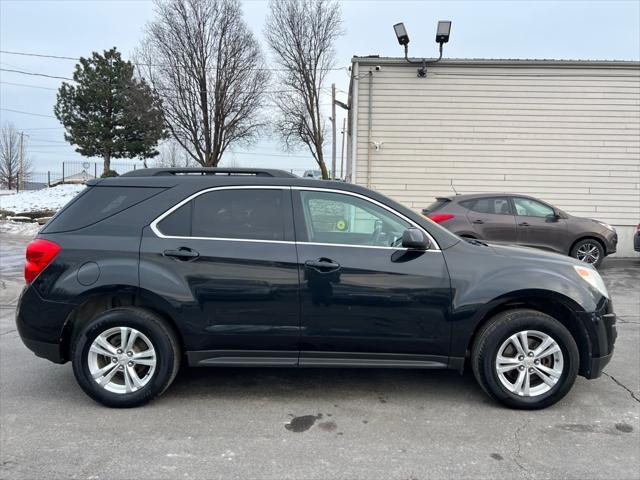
point(607, 226)
point(593, 278)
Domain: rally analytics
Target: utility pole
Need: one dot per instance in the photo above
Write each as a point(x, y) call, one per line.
point(344, 124)
point(333, 126)
point(21, 170)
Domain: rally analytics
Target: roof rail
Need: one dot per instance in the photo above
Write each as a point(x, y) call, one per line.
point(258, 172)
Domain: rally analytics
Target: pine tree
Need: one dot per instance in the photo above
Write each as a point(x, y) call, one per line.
point(108, 112)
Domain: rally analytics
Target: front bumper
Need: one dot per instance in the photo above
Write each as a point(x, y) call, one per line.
point(602, 332)
point(611, 243)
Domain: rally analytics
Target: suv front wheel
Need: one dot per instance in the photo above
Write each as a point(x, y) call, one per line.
point(125, 357)
point(525, 359)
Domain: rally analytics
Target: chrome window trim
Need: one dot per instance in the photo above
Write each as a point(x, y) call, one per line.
point(154, 225)
point(158, 233)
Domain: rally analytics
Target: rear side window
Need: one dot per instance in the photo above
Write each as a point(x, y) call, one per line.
point(249, 214)
point(492, 205)
point(96, 204)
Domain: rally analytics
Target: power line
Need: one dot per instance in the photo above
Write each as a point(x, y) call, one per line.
point(24, 54)
point(270, 155)
point(60, 57)
point(27, 113)
point(28, 85)
point(36, 74)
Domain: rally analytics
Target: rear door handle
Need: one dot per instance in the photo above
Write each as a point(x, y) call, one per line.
point(524, 224)
point(182, 253)
point(322, 265)
point(479, 222)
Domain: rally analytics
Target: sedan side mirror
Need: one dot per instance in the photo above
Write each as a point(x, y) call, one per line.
point(415, 239)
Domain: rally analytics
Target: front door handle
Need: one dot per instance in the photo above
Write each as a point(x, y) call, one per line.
point(479, 222)
point(322, 265)
point(182, 253)
point(524, 224)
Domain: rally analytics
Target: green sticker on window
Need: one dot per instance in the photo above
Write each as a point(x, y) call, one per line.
point(341, 225)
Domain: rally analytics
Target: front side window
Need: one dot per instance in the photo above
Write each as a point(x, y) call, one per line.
point(246, 214)
point(492, 205)
point(530, 208)
point(346, 220)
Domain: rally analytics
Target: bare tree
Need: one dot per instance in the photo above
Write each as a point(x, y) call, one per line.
point(10, 157)
point(207, 67)
point(301, 34)
point(172, 155)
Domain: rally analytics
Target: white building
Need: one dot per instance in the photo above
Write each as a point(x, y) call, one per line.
point(567, 132)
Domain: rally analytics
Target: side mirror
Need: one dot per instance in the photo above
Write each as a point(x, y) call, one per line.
point(554, 217)
point(414, 239)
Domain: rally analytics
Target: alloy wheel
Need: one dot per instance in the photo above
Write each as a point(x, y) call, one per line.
point(588, 253)
point(529, 363)
point(122, 360)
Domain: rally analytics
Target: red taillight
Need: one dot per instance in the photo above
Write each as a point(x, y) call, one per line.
point(442, 217)
point(40, 253)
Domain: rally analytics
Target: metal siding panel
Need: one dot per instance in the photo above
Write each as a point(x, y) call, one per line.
point(570, 135)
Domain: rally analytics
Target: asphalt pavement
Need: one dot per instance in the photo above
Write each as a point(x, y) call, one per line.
point(317, 423)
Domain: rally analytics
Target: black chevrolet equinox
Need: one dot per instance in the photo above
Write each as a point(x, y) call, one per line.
point(244, 267)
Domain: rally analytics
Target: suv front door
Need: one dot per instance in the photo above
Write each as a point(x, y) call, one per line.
point(225, 260)
point(364, 299)
point(538, 226)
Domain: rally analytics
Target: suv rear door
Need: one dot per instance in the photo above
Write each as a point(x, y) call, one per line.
point(492, 218)
point(225, 259)
point(363, 300)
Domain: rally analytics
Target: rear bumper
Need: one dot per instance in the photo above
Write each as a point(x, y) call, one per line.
point(50, 351)
point(40, 324)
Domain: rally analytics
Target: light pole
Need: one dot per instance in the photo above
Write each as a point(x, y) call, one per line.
point(442, 37)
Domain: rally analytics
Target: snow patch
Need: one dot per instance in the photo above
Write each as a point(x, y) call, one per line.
point(15, 228)
point(52, 198)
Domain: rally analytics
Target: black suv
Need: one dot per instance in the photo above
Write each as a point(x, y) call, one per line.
point(260, 268)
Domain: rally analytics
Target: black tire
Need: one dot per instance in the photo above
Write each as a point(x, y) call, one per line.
point(591, 243)
point(492, 335)
point(154, 328)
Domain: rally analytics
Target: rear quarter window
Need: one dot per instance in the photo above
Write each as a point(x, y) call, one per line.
point(96, 204)
point(437, 205)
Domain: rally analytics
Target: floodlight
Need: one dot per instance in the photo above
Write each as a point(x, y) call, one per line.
point(442, 33)
point(401, 33)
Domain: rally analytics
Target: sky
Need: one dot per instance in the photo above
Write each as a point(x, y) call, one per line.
point(544, 29)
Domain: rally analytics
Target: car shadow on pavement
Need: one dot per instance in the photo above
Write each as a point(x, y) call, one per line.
point(328, 384)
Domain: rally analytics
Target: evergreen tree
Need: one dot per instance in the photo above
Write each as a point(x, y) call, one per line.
point(108, 112)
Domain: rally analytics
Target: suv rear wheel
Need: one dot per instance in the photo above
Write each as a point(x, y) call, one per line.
point(125, 357)
point(525, 359)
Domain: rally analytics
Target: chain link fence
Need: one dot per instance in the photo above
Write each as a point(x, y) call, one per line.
point(69, 172)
